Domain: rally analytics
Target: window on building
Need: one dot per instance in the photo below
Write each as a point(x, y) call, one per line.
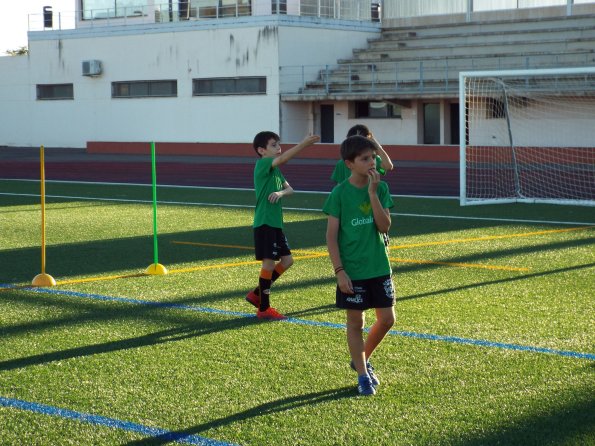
point(229, 86)
point(368, 109)
point(106, 9)
point(279, 6)
point(55, 91)
point(144, 89)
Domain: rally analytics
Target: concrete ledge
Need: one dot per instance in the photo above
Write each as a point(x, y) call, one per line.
point(433, 153)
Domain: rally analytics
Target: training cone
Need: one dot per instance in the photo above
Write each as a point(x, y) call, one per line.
point(156, 269)
point(43, 279)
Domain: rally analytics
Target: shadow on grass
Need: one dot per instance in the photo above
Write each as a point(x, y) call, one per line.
point(571, 424)
point(495, 282)
point(94, 309)
point(114, 256)
point(136, 253)
point(201, 328)
point(88, 310)
point(278, 406)
point(323, 309)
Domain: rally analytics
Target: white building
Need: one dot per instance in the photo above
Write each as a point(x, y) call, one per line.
point(220, 71)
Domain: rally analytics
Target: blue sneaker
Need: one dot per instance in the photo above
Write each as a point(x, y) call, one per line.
point(364, 385)
point(371, 374)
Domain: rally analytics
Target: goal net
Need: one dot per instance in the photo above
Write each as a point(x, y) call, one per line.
point(527, 136)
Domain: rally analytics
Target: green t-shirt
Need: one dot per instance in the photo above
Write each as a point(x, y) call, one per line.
point(267, 179)
point(342, 172)
point(361, 246)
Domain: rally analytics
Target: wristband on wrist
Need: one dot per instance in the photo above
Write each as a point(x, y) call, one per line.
point(338, 269)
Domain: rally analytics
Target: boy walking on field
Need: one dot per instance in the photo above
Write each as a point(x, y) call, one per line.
point(358, 216)
point(270, 244)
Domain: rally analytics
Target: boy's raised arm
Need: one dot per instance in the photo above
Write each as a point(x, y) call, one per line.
point(286, 156)
point(386, 164)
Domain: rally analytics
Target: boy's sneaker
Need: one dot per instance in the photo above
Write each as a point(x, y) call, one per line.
point(364, 385)
point(371, 374)
point(252, 298)
point(270, 314)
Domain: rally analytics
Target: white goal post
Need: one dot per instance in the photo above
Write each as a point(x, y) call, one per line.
point(527, 136)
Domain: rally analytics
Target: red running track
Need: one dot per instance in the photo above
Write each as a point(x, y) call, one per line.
point(411, 178)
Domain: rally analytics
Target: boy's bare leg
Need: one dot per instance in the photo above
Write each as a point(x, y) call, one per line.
point(286, 261)
point(385, 319)
point(355, 340)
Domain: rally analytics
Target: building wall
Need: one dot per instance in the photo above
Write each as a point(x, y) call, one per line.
point(253, 46)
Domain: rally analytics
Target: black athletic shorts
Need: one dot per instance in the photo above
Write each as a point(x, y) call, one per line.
point(270, 243)
point(378, 292)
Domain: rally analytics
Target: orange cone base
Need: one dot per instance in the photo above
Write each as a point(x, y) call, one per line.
point(156, 269)
point(43, 279)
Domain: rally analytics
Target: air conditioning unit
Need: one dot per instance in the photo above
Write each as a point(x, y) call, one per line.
point(91, 67)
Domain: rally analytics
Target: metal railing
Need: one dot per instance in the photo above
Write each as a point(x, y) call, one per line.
point(415, 77)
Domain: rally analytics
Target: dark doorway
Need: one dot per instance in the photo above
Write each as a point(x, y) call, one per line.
point(327, 123)
point(454, 124)
point(431, 123)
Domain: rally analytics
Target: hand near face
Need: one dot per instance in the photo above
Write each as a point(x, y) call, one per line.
point(374, 180)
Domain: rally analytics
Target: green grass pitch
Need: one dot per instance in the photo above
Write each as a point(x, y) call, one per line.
point(493, 343)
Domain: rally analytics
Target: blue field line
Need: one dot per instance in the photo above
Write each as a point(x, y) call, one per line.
point(408, 334)
point(99, 420)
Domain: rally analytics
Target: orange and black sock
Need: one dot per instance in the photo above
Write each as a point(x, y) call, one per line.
point(264, 283)
point(279, 269)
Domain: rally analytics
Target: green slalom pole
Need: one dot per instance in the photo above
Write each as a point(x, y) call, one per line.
point(155, 268)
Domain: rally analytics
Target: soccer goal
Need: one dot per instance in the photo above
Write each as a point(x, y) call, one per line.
point(527, 136)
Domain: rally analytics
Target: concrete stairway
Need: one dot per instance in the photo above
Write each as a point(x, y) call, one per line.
point(417, 61)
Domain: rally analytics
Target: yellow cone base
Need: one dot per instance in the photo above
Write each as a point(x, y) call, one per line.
point(43, 279)
point(156, 269)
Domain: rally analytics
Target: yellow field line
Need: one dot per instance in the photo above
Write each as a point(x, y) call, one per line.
point(312, 255)
point(171, 271)
point(229, 265)
point(489, 237)
point(97, 279)
point(215, 245)
point(459, 265)
point(87, 279)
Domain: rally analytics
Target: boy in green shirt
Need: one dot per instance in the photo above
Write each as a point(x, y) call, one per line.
point(358, 216)
point(270, 244)
point(383, 162)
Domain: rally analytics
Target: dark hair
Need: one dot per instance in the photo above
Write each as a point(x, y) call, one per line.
point(358, 129)
point(355, 146)
point(262, 139)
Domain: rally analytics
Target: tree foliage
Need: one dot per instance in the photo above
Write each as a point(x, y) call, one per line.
point(21, 51)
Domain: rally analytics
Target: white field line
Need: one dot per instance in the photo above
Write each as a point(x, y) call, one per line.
point(396, 214)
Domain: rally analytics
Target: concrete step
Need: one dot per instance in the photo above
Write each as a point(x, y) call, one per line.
point(501, 26)
point(479, 50)
point(569, 57)
point(374, 78)
point(483, 39)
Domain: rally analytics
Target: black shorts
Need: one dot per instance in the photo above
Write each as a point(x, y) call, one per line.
point(270, 243)
point(378, 292)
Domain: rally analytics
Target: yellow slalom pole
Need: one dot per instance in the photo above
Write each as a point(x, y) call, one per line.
point(43, 279)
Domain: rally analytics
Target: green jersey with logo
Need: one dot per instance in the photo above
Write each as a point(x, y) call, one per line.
point(342, 172)
point(361, 246)
point(267, 179)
